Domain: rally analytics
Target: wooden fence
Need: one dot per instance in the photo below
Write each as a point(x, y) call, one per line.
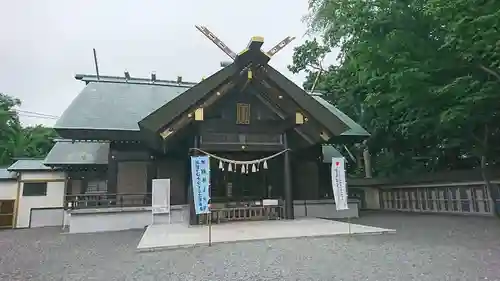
point(465, 198)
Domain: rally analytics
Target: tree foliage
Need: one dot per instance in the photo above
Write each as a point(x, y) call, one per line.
point(17, 141)
point(422, 76)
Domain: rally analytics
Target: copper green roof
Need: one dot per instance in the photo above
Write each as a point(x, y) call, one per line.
point(354, 128)
point(118, 104)
point(328, 152)
point(29, 165)
point(6, 175)
point(115, 106)
point(78, 153)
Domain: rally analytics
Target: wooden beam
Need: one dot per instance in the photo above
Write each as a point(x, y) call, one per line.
point(255, 43)
point(278, 47)
point(216, 41)
point(240, 147)
point(256, 127)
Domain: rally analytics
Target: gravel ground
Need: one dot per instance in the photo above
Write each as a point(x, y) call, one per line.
point(426, 247)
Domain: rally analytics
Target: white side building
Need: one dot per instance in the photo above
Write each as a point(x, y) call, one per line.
point(31, 195)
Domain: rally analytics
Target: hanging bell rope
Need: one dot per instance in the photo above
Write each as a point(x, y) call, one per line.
point(238, 162)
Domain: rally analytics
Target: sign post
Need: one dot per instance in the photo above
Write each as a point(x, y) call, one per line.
point(339, 186)
point(161, 198)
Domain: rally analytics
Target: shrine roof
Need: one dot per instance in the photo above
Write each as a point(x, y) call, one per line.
point(77, 153)
point(28, 165)
point(116, 106)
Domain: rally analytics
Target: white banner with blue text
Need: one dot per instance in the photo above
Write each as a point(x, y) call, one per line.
point(200, 177)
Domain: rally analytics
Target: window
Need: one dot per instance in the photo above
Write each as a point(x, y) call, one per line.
point(97, 187)
point(242, 113)
point(35, 189)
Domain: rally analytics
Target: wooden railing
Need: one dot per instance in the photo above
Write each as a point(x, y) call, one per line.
point(228, 212)
point(104, 200)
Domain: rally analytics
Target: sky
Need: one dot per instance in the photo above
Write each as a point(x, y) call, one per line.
point(43, 44)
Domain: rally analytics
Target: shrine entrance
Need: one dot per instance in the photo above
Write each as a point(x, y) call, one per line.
point(245, 186)
point(257, 183)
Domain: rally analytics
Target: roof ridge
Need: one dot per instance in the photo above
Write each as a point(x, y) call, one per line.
point(87, 78)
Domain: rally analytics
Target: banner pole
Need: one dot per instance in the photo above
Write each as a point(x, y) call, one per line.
point(349, 222)
point(209, 229)
point(209, 222)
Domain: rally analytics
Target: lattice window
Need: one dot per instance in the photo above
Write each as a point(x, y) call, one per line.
point(242, 113)
point(97, 187)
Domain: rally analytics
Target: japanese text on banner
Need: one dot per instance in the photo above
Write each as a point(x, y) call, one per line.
point(339, 184)
point(200, 177)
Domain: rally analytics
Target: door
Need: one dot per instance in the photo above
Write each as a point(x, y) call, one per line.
point(7, 213)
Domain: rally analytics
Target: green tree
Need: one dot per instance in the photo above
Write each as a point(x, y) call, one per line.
point(17, 141)
point(422, 76)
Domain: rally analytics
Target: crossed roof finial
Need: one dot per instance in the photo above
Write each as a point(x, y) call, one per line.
point(255, 42)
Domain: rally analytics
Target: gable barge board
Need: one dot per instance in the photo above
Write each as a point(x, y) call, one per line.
point(168, 112)
point(307, 102)
point(181, 121)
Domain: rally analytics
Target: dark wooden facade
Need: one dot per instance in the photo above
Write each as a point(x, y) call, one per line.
point(245, 111)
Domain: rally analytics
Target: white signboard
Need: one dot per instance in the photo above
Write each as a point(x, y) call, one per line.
point(339, 184)
point(161, 196)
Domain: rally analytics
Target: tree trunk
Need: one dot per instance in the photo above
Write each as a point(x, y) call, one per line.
point(368, 163)
point(492, 191)
point(359, 157)
point(367, 160)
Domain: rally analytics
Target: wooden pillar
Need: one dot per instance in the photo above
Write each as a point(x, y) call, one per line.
point(84, 184)
point(193, 220)
point(287, 181)
point(69, 185)
point(151, 173)
point(112, 173)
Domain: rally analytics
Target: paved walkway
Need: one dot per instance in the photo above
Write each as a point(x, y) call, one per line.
point(167, 236)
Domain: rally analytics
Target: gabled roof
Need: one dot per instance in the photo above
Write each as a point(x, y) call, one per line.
point(128, 106)
point(327, 115)
point(115, 106)
point(78, 153)
point(28, 165)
